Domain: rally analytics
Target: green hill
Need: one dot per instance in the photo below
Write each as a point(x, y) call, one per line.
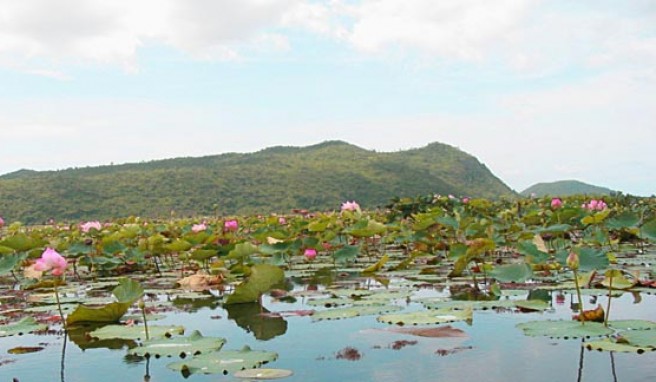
point(276, 179)
point(565, 188)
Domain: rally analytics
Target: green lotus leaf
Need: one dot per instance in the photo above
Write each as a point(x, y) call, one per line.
point(108, 313)
point(464, 305)
point(203, 254)
point(626, 219)
point(20, 242)
point(640, 338)
point(261, 279)
point(619, 282)
point(179, 346)
point(135, 332)
point(518, 273)
point(589, 259)
point(355, 311)
point(24, 326)
point(128, 290)
point(427, 317)
point(342, 302)
point(564, 329)
point(9, 262)
point(178, 245)
point(6, 250)
point(531, 251)
point(242, 251)
point(610, 345)
point(366, 228)
point(534, 305)
point(346, 254)
point(647, 231)
point(261, 374)
point(224, 362)
point(632, 324)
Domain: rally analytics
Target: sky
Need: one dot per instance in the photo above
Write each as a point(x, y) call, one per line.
point(538, 91)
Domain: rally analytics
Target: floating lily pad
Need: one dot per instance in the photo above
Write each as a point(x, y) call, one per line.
point(259, 374)
point(474, 305)
point(224, 362)
point(355, 311)
point(427, 317)
point(564, 329)
point(609, 345)
point(641, 338)
point(108, 313)
point(343, 301)
point(179, 346)
point(135, 332)
point(534, 305)
point(632, 324)
point(25, 349)
point(26, 325)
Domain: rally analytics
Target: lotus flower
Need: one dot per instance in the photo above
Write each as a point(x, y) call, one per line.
point(86, 227)
point(573, 261)
point(52, 261)
point(2, 222)
point(598, 205)
point(556, 203)
point(465, 200)
point(198, 227)
point(350, 206)
point(310, 253)
point(231, 225)
point(282, 221)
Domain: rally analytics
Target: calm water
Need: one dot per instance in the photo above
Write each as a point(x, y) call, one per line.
point(494, 349)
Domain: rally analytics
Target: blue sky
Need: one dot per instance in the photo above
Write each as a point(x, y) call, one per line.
point(537, 90)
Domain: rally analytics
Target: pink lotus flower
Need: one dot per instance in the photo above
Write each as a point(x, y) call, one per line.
point(50, 260)
point(573, 261)
point(231, 225)
point(556, 203)
point(598, 205)
point(2, 222)
point(86, 227)
point(465, 200)
point(350, 206)
point(282, 221)
point(198, 227)
point(310, 253)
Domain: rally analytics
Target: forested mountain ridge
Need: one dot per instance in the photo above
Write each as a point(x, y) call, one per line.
point(565, 188)
point(275, 179)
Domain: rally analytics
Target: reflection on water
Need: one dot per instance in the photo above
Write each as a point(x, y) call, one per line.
point(253, 319)
point(494, 349)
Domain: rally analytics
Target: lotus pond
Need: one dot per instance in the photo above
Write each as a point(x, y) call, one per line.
point(428, 290)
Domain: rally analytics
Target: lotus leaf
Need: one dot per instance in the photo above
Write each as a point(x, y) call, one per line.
point(427, 317)
point(261, 279)
point(533, 305)
point(355, 311)
point(377, 266)
point(610, 345)
point(564, 329)
point(259, 374)
point(632, 324)
point(26, 325)
point(179, 346)
point(224, 362)
point(128, 290)
point(9, 262)
point(346, 253)
point(512, 273)
point(135, 332)
point(327, 302)
point(641, 338)
point(647, 231)
point(464, 305)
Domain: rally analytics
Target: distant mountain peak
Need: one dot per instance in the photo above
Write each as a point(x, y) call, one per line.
point(565, 188)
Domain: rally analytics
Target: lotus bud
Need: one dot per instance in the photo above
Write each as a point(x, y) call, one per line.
point(573, 261)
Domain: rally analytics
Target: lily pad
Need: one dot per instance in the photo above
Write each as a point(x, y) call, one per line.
point(532, 305)
point(179, 346)
point(609, 345)
point(474, 305)
point(564, 329)
point(108, 313)
point(427, 317)
point(26, 325)
point(224, 362)
point(355, 311)
point(135, 332)
point(512, 273)
point(632, 324)
point(262, 278)
point(641, 338)
point(259, 374)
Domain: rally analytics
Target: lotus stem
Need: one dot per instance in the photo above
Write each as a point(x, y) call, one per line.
point(578, 294)
point(142, 306)
point(610, 292)
point(61, 313)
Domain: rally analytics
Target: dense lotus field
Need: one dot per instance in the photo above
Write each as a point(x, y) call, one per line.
point(417, 266)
